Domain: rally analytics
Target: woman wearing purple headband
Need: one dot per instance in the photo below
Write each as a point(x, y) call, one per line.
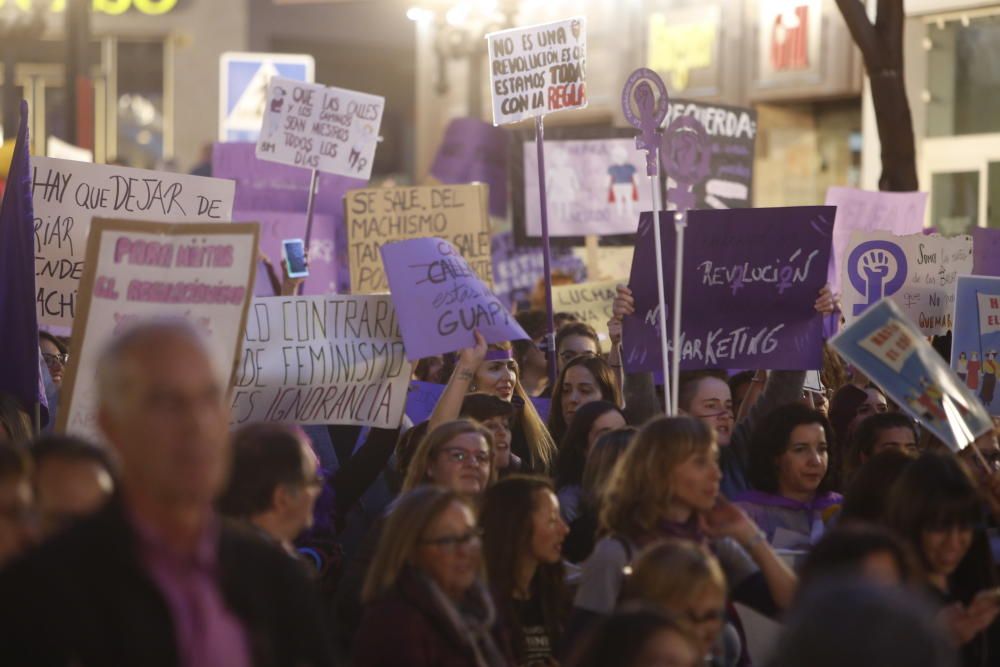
point(493, 370)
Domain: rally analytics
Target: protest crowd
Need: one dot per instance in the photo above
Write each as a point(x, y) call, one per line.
point(205, 463)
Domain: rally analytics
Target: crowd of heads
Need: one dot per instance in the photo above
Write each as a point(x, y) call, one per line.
point(597, 536)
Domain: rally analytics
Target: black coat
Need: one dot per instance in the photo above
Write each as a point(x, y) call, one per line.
point(82, 599)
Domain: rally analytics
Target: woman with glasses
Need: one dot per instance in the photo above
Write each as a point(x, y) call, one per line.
point(583, 380)
point(935, 507)
point(523, 538)
point(457, 456)
point(425, 604)
point(491, 369)
point(789, 470)
point(55, 354)
point(688, 582)
point(273, 482)
point(666, 484)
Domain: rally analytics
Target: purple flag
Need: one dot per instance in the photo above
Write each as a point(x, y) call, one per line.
point(751, 277)
point(439, 299)
point(21, 374)
point(475, 151)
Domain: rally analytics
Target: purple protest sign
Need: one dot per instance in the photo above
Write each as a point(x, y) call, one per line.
point(516, 270)
point(751, 277)
point(276, 195)
point(475, 151)
point(439, 299)
point(326, 273)
point(985, 251)
point(899, 213)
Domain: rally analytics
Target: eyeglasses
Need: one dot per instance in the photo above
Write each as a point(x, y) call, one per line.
point(707, 617)
point(458, 455)
point(53, 359)
point(453, 542)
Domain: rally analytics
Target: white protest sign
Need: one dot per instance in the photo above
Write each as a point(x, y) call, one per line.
point(322, 360)
point(312, 126)
point(590, 302)
point(865, 211)
point(146, 270)
point(538, 69)
point(916, 271)
point(68, 195)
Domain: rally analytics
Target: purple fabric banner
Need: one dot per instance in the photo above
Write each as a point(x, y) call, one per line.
point(21, 375)
point(439, 299)
point(475, 151)
point(276, 195)
point(751, 277)
point(516, 270)
point(985, 251)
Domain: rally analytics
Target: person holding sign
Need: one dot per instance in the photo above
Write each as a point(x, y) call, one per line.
point(492, 370)
point(789, 462)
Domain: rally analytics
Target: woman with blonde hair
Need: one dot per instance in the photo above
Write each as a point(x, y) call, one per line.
point(666, 484)
point(493, 370)
point(457, 456)
point(425, 588)
point(687, 581)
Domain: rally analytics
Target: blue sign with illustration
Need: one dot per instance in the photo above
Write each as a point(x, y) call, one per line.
point(243, 79)
point(887, 347)
point(976, 338)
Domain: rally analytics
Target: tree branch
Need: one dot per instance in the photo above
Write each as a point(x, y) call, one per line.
point(862, 31)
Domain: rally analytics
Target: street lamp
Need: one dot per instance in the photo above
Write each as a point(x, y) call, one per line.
point(460, 26)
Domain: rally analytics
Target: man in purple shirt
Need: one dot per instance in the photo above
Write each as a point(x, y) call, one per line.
point(156, 578)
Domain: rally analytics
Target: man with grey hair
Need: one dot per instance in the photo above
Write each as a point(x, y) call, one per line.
point(156, 578)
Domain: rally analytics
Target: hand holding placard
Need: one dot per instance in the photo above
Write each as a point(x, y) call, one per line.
point(440, 301)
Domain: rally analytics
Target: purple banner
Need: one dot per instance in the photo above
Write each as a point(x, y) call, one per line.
point(440, 300)
point(985, 251)
point(751, 277)
point(276, 195)
point(516, 270)
point(475, 151)
point(423, 396)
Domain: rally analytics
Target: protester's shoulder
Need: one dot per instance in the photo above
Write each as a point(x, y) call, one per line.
point(241, 546)
point(612, 550)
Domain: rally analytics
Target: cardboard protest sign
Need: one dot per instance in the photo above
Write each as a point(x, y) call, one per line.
point(538, 69)
point(751, 278)
point(886, 346)
point(516, 270)
point(315, 127)
point(440, 300)
point(475, 151)
point(69, 194)
point(377, 216)
point(590, 302)
point(917, 271)
point(138, 271)
point(897, 213)
point(732, 133)
point(975, 339)
point(322, 360)
point(593, 187)
point(985, 251)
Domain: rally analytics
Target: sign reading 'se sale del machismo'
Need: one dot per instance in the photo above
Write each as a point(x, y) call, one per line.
point(537, 70)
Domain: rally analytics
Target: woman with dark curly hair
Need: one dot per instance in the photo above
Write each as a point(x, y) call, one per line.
point(789, 473)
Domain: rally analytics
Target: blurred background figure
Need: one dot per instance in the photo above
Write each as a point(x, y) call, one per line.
point(72, 479)
point(273, 483)
point(17, 523)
